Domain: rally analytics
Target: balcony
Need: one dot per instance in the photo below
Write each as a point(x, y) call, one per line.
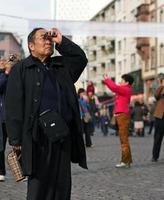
point(143, 48)
point(143, 13)
point(142, 42)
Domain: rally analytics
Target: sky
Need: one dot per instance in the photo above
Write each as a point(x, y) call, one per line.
point(33, 9)
point(28, 8)
point(39, 8)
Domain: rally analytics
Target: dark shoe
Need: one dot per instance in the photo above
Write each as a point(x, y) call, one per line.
point(154, 160)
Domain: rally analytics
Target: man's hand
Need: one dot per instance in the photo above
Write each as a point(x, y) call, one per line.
point(2, 64)
point(5, 66)
point(8, 67)
point(56, 35)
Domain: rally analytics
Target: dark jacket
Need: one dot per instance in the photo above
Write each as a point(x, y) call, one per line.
point(137, 113)
point(23, 99)
point(159, 109)
point(3, 83)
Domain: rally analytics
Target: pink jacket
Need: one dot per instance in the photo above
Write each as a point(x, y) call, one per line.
point(122, 98)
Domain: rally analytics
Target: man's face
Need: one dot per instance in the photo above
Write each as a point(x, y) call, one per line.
point(41, 47)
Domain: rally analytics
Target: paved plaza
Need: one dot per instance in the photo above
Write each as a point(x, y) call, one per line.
point(102, 181)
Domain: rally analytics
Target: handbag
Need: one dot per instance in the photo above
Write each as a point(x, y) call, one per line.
point(87, 117)
point(113, 123)
point(14, 162)
point(51, 122)
point(53, 125)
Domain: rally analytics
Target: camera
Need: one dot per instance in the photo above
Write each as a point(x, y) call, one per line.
point(12, 58)
point(49, 35)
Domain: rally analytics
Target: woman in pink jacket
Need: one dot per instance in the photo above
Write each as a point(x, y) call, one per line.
point(122, 114)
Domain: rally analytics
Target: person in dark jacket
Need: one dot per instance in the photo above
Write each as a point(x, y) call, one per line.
point(104, 119)
point(37, 85)
point(85, 117)
point(159, 121)
point(5, 67)
point(138, 118)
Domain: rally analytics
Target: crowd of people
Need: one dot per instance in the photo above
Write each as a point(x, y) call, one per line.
point(51, 123)
point(130, 118)
point(141, 114)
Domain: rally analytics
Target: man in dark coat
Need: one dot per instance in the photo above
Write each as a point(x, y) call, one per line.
point(35, 84)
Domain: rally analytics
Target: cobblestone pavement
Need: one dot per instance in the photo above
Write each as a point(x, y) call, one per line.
point(102, 181)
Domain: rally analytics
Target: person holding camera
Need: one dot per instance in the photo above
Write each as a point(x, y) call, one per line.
point(42, 114)
point(121, 113)
point(3, 134)
point(159, 121)
point(5, 68)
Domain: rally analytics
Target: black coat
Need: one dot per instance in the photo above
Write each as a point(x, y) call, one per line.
point(23, 99)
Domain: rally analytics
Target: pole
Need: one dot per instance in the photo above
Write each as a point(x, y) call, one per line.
point(53, 9)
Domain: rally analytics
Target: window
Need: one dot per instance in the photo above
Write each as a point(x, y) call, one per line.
point(94, 54)
point(103, 16)
point(119, 46)
point(94, 38)
point(102, 68)
point(2, 37)
point(133, 60)
point(162, 55)
point(125, 63)
point(161, 16)
point(119, 67)
point(113, 9)
point(103, 50)
point(153, 58)
point(94, 69)
point(2, 53)
point(153, 16)
point(125, 44)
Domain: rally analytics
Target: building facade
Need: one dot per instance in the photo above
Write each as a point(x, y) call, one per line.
point(101, 52)
point(10, 44)
point(151, 50)
point(114, 56)
point(129, 55)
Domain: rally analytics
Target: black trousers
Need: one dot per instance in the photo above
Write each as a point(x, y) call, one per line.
point(87, 133)
point(2, 153)
point(158, 137)
point(52, 177)
point(151, 127)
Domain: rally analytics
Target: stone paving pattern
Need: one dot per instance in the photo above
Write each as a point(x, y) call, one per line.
point(102, 181)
